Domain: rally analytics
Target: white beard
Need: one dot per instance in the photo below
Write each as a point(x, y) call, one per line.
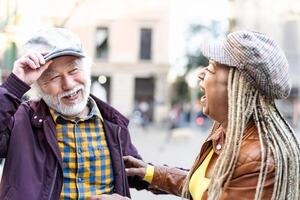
point(55, 102)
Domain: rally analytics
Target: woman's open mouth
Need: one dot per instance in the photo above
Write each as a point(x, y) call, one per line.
point(203, 98)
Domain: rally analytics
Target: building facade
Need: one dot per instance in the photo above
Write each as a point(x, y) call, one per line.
point(127, 42)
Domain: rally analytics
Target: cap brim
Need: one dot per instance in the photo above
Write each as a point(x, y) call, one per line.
point(217, 52)
point(56, 54)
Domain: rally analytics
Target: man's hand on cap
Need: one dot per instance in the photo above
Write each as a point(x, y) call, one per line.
point(29, 68)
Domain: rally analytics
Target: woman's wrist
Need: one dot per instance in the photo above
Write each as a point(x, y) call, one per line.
point(149, 173)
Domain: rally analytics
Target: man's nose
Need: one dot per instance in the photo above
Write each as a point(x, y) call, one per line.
point(68, 83)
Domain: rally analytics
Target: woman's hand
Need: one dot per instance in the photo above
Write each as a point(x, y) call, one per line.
point(108, 197)
point(134, 167)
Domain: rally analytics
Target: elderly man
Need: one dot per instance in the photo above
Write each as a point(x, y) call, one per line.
point(68, 144)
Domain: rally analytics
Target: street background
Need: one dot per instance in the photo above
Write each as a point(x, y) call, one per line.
point(146, 58)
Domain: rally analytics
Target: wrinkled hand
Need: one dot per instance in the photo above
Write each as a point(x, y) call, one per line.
point(29, 67)
point(134, 166)
point(108, 197)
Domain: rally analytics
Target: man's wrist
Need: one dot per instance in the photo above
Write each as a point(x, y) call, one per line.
point(16, 86)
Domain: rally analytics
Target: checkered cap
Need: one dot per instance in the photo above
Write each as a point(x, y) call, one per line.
point(258, 57)
point(58, 41)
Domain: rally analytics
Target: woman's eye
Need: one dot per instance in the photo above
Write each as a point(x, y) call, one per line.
point(201, 76)
point(210, 68)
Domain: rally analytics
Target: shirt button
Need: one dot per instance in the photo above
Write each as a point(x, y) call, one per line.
point(79, 150)
point(40, 120)
point(218, 147)
point(34, 117)
point(80, 180)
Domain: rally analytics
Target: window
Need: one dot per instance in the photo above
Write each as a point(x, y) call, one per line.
point(102, 43)
point(145, 44)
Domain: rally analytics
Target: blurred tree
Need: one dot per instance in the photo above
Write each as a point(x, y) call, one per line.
point(194, 56)
point(10, 55)
point(196, 33)
point(9, 16)
point(180, 91)
point(195, 61)
point(9, 19)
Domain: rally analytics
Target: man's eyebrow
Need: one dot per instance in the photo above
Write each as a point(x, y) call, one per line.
point(74, 63)
point(77, 63)
point(49, 73)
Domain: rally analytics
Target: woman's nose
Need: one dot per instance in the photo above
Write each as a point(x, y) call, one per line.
point(201, 74)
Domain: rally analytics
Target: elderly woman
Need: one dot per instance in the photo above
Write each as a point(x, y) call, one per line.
point(251, 152)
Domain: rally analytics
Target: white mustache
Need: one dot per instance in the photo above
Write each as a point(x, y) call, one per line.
point(74, 90)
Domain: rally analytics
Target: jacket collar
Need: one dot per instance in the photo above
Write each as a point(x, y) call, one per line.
point(41, 112)
point(217, 138)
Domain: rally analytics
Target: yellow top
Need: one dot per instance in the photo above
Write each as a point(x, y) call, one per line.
point(199, 183)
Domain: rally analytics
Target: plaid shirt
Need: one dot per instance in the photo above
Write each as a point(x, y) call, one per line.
point(86, 159)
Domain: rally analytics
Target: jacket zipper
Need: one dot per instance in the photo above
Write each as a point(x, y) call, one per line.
point(53, 182)
point(122, 163)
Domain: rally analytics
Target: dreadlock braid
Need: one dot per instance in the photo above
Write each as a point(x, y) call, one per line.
point(241, 102)
point(286, 152)
point(276, 138)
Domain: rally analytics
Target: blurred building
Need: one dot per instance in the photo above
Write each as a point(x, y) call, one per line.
point(127, 40)
point(8, 21)
point(281, 20)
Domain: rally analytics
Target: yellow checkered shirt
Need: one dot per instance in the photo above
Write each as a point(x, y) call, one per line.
point(87, 167)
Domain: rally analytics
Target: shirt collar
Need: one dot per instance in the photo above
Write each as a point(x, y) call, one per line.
point(94, 112)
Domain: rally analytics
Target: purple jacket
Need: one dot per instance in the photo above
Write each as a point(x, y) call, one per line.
point(33, 166)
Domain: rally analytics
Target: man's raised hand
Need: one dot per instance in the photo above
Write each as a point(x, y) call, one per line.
point(30, 67)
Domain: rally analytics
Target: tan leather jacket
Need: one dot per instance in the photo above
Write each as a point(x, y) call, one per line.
point(243, 183)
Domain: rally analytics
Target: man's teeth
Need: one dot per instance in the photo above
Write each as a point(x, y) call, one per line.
point(72, 94)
